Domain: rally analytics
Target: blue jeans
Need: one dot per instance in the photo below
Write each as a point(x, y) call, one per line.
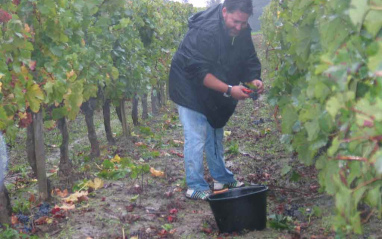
point(199, 136)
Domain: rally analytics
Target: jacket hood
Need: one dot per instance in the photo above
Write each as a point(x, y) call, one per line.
point(205, 19)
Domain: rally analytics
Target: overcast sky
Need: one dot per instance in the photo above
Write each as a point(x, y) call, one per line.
point(196, 3)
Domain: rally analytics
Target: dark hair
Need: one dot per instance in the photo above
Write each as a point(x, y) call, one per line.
point(241, 5)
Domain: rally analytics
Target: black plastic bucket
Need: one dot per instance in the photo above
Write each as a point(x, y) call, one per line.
point(240, 208)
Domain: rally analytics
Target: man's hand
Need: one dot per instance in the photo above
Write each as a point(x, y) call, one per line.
point(259, 85)
point(238, 93)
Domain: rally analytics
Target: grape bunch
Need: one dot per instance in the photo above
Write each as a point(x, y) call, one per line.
point(290, 210)
point(25, 221)
point(22, 218)
point(43, 210)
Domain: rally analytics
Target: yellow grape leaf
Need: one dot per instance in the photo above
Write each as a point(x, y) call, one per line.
point(61, 193)
point(97, 184)
point(227, 133)
point(156, 173)
point(116, 159)
point(22, 115)
point(67, 207)
point(34, 96)
point(75, 197)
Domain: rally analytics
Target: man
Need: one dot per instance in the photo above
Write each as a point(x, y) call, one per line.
point(216, 55)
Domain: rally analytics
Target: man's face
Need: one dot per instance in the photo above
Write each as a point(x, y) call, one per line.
point(235, 21)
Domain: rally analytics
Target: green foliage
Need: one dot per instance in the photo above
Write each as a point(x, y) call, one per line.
point(327, 68)
point(10, 233)
point(120, 169)
point(21, 205)
point(280, 222)
point(61, 53)
point(233, 148)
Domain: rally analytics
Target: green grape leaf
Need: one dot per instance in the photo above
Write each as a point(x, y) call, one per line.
point(375, 61)
point(373, 22)
point(286, 169)
point(289, 118)
point(334, 147)
point(333, 105)
point(373, 197)
point(313, 128)
point(357, 11)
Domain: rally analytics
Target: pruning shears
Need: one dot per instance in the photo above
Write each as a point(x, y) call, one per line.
point(252, 93)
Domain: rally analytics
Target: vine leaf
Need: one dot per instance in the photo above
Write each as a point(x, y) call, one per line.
point(357, 11)
point(34, 96)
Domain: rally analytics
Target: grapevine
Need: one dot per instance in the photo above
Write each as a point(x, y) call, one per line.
point(326, 63)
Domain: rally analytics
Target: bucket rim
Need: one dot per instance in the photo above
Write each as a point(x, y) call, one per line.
point(265, 188)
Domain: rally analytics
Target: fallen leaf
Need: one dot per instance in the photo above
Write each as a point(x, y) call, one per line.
point(162, 233)
point(207, 230)
point(139, 144)
point(171, 218)
point(67, 207)
point(173, 211)
point(14, 219)
point(130, 207)
point(156, 173)
point(41, 220)
point(227, 133)
point(168, 194)
point(77, 196)
point(116, 159)
point(178, 141)
point(61, 193)
point(97, 184)
point(176, 153)
point(55, 210)
point(32, 198)
point(134, 237)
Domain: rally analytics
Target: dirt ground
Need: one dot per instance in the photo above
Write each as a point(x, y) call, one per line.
point(155, 207)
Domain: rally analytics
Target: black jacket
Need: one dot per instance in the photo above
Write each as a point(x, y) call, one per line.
point(207, 48)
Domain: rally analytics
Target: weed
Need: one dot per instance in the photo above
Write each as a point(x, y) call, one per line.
point(20, 168)
point(280, 222)
point(10, 233)
point(233, 149)
point(21, 205)
point(167, 227)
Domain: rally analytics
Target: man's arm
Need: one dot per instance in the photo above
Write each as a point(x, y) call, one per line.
point(210, 81)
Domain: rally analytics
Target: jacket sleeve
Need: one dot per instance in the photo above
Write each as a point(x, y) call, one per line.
point(200, 54)
point(252, 64)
